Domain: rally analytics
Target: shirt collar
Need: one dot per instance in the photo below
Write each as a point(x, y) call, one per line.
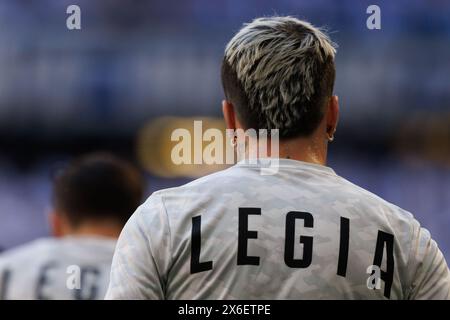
point(285, 163)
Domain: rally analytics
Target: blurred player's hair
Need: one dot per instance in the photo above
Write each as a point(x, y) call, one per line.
point(278, 72)
point(98, 186)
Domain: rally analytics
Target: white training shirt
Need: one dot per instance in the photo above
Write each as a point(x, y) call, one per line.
point(57, 268)
point(302, 233)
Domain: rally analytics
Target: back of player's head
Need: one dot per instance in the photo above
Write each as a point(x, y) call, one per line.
point(98, 187)
point(278, 72)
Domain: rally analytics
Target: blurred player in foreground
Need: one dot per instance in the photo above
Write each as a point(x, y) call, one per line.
point(92, 198)
point(302, 233)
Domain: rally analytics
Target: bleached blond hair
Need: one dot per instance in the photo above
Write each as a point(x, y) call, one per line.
point(283, 66)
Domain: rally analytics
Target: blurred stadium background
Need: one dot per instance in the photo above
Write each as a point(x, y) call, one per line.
point(63, 93)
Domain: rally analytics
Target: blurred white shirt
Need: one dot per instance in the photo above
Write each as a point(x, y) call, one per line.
point(57, 268)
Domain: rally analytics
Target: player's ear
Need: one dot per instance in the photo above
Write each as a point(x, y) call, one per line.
point(229, 114)
point(332, 115)
point(56, 222)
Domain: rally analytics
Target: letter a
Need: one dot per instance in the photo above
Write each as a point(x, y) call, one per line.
point(374, 20)
point(74, 280)
point(73, 21)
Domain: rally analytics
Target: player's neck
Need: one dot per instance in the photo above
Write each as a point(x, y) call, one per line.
point(313, 150)
point(97, 229)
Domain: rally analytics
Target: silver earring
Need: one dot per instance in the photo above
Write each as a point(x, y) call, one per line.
point(330, 139)
point(331, 136)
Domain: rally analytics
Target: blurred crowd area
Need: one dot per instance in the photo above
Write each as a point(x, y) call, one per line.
point(63, 93)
